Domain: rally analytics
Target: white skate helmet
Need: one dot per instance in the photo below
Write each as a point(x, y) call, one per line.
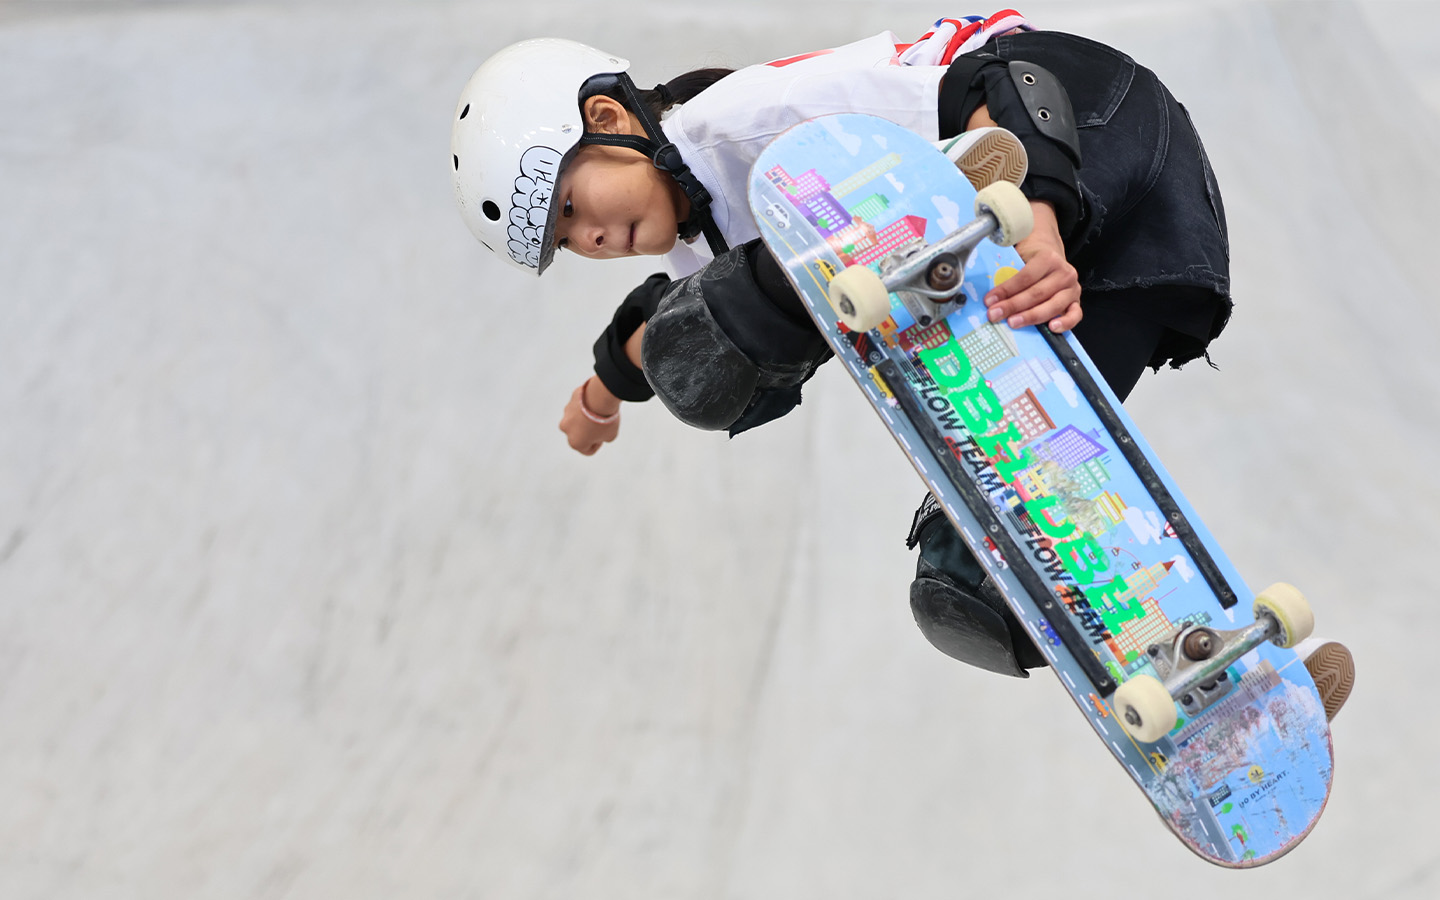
point(516, 125)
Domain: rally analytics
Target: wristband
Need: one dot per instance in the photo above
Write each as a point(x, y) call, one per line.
point(590, 414)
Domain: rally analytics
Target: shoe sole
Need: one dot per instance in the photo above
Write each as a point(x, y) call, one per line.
point(998, 156)
point(1333, 669)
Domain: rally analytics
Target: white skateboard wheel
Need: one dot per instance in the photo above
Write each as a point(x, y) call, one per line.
point(859, 298)
point(1014, 219)
point(1145, 708)
point(1291, 611)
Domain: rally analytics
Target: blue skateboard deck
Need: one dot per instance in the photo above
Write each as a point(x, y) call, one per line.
point(1052, 487)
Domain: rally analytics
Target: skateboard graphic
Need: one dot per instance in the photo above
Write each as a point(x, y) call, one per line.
point(1179, 668)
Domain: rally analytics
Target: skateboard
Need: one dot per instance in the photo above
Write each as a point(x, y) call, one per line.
point(1184, 673)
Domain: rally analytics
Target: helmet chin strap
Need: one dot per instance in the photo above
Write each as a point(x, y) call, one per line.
point(666, 158)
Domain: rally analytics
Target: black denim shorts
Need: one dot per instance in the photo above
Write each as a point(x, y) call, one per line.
point(1151, 241)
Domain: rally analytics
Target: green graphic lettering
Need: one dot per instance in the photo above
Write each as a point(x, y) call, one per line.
point(1001, 442)
point(1000, 447)
point(1039, 510)
point(1083, 558)
point(979, 407)
point(1115, 611)
point(1008, 469)
point(948, 365)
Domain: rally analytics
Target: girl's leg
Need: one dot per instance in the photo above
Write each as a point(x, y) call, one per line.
point(1119, 343)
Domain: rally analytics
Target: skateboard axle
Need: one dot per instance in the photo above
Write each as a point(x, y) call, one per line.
point(944, 274)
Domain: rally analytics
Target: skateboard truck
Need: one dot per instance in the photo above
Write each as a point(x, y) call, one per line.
point(1192, 663)
point(928, 278)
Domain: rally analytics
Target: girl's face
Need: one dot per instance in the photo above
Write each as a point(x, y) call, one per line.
point(613, 201)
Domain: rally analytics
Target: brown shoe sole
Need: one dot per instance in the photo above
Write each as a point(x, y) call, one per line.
point(997, 156)
point(1333, 669)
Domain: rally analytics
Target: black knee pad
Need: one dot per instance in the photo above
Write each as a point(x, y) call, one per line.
point(691, 363)
point(964, 627)
point(723, 351)
point(956, 605)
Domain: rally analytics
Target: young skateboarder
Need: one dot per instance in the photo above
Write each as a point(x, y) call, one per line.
point(555, 149)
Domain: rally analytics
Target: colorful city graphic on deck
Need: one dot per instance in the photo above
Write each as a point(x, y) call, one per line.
point(845, 184)
point(1074, 465)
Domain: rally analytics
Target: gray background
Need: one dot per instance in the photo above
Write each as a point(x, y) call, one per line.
point(303, 595)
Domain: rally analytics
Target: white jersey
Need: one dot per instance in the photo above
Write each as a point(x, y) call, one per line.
point(721, 131)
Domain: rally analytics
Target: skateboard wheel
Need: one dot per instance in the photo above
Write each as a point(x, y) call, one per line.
point(1291, 611)
point(1003, 202)
point(1145, 708)
point(859, 298)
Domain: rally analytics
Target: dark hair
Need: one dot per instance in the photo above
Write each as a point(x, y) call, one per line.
point(680, 89)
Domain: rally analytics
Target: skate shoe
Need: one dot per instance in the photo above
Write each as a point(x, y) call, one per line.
point(1333, 669)
point(987, 155)
point(957, 606)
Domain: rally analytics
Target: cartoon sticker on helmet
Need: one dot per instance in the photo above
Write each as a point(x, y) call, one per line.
point(530, 204)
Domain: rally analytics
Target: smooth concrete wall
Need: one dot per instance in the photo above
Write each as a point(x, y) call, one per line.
point(302, 594)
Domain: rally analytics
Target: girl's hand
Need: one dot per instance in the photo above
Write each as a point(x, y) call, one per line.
point(1047, 288)
point(591, 418)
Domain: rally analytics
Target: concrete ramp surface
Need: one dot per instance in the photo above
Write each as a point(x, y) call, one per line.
point(302, 594)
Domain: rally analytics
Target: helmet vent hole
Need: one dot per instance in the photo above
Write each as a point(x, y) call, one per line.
point(492, 212)
point(457, 163)
point(465, 112)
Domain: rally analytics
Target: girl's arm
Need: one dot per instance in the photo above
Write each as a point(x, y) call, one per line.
point(588, 433)
point(618, 375)
point(1048, 287)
